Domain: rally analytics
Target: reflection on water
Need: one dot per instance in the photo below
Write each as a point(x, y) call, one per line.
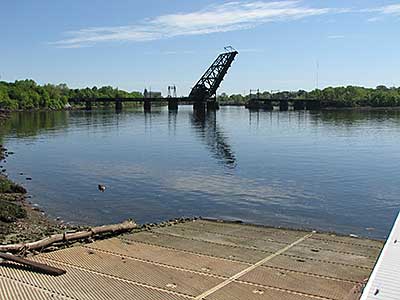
point(26, 124)
point(205, 124)
point(332, 170)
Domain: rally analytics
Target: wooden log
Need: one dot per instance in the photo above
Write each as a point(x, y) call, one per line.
point(65, 237)
point(33, 264)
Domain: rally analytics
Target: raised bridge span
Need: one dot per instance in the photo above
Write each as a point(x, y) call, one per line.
point(202, 95)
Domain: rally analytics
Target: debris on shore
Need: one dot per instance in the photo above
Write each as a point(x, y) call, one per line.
point(19, 221)
point(68, 237)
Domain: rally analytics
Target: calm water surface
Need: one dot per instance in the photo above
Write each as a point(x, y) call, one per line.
point(337, 171)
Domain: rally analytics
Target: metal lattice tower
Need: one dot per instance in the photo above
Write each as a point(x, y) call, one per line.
point(206, 87)
point(172, 91)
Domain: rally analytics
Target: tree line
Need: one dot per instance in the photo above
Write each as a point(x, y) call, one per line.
point(350, 96)
point(27, 94)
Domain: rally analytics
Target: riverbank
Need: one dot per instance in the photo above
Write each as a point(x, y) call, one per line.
point(19, 220)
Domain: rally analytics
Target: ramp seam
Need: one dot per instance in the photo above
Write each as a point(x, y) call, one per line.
point(278, 242)
point(346, 243)
point(186, 251)
point(121, 279)
point(242, 262)
point(58, 294)
point(250, 268)
point(327, 261)
point(256, 249)
point(311, 274)
point(284, 290)
point(209, 242)
point(158, 264)
point(210, 274)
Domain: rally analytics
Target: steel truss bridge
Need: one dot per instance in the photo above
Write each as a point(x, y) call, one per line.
point(202, 95)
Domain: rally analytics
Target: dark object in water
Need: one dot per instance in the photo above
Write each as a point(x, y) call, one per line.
point(28, 178)
point(102, 188)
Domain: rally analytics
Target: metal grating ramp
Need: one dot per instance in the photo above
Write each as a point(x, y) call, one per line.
point(384, 283)
point(200, 260)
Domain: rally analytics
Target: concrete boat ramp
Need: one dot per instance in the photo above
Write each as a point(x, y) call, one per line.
point(200, 259)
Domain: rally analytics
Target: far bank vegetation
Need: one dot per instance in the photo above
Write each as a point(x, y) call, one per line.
point(27, 95)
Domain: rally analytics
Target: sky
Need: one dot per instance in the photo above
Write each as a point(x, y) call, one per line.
point(132, 45)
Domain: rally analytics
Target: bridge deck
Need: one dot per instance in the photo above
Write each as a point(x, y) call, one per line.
point(279, 100)
point(160, 99)
point(200, 260)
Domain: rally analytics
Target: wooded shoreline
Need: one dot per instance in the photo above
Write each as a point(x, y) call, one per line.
point(28, 95)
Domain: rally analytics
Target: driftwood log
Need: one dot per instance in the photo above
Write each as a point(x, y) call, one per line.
point(33, 264)
point(66, 237)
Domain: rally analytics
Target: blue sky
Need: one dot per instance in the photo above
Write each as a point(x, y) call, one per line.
point(155, 43)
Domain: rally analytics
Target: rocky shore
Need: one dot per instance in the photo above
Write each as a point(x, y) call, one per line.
point(19, 220)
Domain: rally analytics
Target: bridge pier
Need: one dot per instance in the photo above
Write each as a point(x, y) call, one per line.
point(88, 105)
point(253, 105)
point(268, 105)
point(147, 106)
point(284, 105)
point(172, 105)
point(199, 106)
point(199, 112)
point(118, 105)
point(299, 105)
point(212, 105)
point(313, 105)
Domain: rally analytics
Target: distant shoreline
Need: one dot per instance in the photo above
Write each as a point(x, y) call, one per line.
point(5, 114)
point(356, 108)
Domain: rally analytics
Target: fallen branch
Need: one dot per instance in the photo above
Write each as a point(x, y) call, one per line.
point(66, 237)
point(33, 264)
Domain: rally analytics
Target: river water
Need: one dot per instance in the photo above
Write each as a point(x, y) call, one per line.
point(337, 171)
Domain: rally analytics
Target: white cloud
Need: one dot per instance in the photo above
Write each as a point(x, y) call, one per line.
point(383, 11)
point(393, 9)
point(216, 18)
point(336, 37)
point(251, 50)
point(374, 19)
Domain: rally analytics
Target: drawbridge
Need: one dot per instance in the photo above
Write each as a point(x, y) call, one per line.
point(203, 94)
point(206, 88)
